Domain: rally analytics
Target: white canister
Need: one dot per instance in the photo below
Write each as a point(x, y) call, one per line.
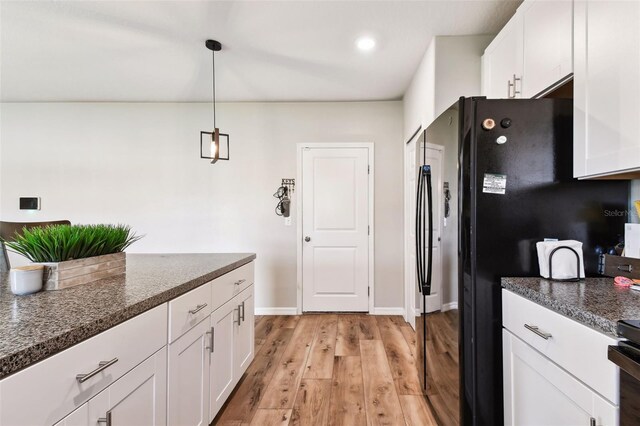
point(26, 279)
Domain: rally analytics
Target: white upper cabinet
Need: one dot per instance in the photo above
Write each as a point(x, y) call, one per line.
point(606, 88)
point(502, 62)
point(547, 50)
point(532, 53)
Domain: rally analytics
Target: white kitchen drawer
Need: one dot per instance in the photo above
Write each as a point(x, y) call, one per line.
point(577, 348)
point(224, 288)
point(49, 390)
point(538, 392)
point(188, 310)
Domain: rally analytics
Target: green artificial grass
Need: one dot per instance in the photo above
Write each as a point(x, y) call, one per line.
point(57, 243)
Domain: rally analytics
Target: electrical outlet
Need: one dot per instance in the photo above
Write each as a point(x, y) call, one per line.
point(287, 221)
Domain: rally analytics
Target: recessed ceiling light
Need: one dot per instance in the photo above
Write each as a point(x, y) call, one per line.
point(365, 44)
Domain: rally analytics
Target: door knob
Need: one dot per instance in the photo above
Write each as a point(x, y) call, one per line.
point(307, 239)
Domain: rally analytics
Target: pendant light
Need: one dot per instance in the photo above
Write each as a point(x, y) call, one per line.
point(212, 142)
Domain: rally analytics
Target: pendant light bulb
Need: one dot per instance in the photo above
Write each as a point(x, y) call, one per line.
point(214, 148)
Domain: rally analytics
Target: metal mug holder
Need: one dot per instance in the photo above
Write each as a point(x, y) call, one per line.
point(551, 265)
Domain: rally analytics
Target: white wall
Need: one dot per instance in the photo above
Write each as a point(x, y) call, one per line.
point(450, 68)
point(419, 98)
point(138, 163)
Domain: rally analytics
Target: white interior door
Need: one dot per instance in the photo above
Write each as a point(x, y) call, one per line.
point(335, 228)
point(432, 155)
point(410, 279)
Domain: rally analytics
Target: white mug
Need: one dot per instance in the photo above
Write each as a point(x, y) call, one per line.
point(26, 279)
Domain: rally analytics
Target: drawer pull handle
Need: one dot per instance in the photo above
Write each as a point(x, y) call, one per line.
point(239, 282)
point(102, 365)
point(625, 268)
point(106, 420)
point(197, 309)
point(539, 332)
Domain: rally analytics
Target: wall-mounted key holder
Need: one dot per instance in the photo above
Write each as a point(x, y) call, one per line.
point(290, 184)
point(283, 194)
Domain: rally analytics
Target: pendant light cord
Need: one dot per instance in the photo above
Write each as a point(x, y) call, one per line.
point(213, 54)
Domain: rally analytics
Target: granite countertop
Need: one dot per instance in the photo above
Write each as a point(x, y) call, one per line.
point(595, 302)
point(37, 326)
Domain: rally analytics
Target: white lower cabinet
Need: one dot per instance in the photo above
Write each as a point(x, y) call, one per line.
point(175, 364)
point(538, 392)
point(233, 336)
point(137, 398)
point(140, 396)
point(221, 371)
point(188, 382)
point(57, 383)
point(244, 333)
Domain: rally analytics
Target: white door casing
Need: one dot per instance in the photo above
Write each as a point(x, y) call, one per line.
point(410, 279)
point(335, 230)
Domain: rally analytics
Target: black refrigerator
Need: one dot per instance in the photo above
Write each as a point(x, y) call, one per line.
point(514, 188)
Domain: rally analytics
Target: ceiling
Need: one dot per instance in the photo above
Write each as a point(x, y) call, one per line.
point(153, 51)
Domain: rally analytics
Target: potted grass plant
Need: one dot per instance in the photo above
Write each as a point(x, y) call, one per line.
point(75, 254)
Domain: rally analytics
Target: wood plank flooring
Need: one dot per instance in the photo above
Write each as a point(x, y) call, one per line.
point(330, 369)
point(442, 366)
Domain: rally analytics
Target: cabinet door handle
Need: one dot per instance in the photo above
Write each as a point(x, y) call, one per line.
point(198, 308)
point(509, 86)
point(234, 320)
point(592, 421)
point(211, 340)
point(239, 282)
point(537, 331)
point(106, 420)
point(102, 365)
point(515, 87)
point(242, 316)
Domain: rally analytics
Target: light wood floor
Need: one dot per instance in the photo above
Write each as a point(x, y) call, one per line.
point(329, 369)
point(442, 365)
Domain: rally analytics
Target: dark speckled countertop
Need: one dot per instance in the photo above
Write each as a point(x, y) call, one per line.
point(595, 302)
point(37, 326)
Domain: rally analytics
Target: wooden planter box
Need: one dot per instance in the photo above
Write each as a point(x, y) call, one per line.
point(71, 273)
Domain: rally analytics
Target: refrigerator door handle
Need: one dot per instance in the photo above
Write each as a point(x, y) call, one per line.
point(418, 230)
point(424, 253)
point(427, 285)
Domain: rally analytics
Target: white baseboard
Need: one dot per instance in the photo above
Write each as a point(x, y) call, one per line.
point(445, 307)
point(449, 306)
point(388, 311)
point(294, 311)
point(276, 311)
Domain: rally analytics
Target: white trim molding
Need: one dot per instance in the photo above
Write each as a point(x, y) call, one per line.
point(276, 311)
point(445, 307)
point(449, 306)
point(388, 311)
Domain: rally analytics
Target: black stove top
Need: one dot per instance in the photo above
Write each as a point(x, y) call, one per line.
point(629, 329)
